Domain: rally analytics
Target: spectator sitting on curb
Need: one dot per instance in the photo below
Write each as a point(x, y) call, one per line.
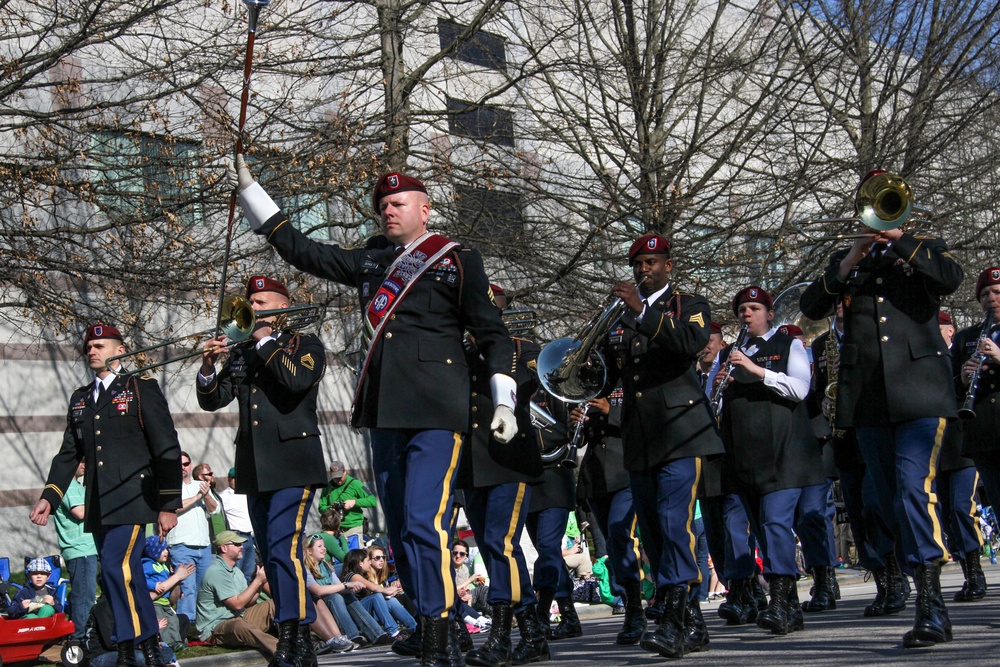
point(229, 613)
point(333, 537)
point(348, 495)
point(161, 584)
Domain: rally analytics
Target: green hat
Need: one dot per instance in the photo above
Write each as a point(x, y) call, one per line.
point(232, 472)
point(227, 536)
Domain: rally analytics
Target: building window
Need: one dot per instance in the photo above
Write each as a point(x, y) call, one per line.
point(483, 49)
point(308, 214)
point(484, 122)
point(144, 176)
point(494, 216)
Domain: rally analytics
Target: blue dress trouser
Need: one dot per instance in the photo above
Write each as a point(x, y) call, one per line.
point(496, 515)
point(615, 516)
point(414, 476)
point(814, 520)
point(957, 492)
point(279, 519)
point(772, 517)
point(546, 529)
point(120, 549)
point(664, 500)
point(902, 460)
point(739, 562)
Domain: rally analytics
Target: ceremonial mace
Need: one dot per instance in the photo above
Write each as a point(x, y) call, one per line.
point(253, 12)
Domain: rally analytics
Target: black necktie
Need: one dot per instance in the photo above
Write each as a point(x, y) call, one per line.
point(101, 391)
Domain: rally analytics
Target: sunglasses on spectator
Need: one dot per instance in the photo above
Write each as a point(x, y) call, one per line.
point(208, 474)
point(185, 463)
point(379, 557)
point(459, 553)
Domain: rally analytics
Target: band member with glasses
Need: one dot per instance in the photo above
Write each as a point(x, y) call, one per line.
point(895, 388)
point(419, 292)
point(121, 427)
point(667, 427)
point(772, 455)
point(279, 459)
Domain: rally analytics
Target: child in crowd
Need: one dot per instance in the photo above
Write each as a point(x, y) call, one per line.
point(161, 582)
point(38, 597)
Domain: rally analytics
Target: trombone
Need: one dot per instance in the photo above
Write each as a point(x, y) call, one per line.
point(237, 321)
point(884, 201)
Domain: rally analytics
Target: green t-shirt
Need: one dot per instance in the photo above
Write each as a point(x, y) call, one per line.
point(336, 547)
point(74, 542)
point(220, 582)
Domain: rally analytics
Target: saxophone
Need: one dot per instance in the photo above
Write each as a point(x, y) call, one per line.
point(831, 351)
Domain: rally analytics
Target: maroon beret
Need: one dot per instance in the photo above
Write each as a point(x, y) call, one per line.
point(497, 290)
point(944, 317)
point(264, 284)
point(790, 330)
point(650, 244)
point(754, 294)
point(714, 328)
point(97, 331)
point(395, 182)
point(990, 276)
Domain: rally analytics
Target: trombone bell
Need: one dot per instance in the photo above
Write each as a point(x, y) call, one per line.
point(884, 201)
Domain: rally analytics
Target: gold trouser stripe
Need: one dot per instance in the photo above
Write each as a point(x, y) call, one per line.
point(300, 576)
point(447, 575)
point(692, 538)
point(931, 496)
point(635, 542)
point(127, 578)
point(508, 545)
point(972, 510)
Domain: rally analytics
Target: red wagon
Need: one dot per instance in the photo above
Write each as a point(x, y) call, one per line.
point(24, 639)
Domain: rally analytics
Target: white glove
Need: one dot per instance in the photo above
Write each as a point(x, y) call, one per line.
point(504, 424)
point(238, 175)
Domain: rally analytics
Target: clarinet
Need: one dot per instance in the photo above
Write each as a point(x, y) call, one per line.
point(967, 412)
point(727, 371)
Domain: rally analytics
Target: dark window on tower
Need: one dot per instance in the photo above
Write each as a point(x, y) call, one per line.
point(482, 48)
point(490, 123)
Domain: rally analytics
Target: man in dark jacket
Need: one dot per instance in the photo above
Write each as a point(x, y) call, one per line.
point(895, 386)
point(274, 378)
point(121, 427)
point(419, 293)
point(666, 427)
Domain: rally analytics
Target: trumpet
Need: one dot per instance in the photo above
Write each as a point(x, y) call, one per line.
point(237, 321)
point(968, 410)
point(727, 371)
point(884, 201)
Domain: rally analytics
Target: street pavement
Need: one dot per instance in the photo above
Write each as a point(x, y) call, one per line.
point(835, 638)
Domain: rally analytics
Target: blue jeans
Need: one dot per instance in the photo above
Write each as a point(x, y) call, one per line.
point(202, 559)
point(701, 555)
point(352, 619)
point(82, 592)
point(374, 604)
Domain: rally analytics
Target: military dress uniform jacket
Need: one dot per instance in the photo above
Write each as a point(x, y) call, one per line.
point(417, 377)
point(982, 434)
point(665, 413)
point(486, 462)
point(602, 472)
point(130, 447)
point(276, 385)
point(892, 341)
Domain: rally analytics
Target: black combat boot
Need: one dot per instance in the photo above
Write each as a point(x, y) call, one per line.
point(896, 586)
point(974, 588)
point(409, 647)
point(757, 591)
point(796, 621)
point(126, 654)
point(877, 607)
point(496, 652)
point(436, 647)
point(654, 610)
point(569, 622)
point(739, 604)
point(775, 617)
point(304, 647)
point(668, 639)
point(461, 634)
point(635, 623)
point(151, 652)
point(695, 630)
point(533, 646)
point(932, 625)
point(545, 610)
point(286, 655)
point(823, 597)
